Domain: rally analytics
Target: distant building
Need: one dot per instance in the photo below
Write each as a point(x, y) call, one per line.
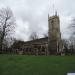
point(44, 46)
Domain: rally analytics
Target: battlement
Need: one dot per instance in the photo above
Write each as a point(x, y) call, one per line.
point(53, 17)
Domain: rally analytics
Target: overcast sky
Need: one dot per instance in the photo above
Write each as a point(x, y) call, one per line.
point(32, 15)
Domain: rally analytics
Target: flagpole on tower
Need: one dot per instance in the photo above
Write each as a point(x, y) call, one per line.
point(54, 10)
point(52, 6)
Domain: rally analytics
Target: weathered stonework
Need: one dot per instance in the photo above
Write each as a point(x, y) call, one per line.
point(54, 35)
point(44, 46)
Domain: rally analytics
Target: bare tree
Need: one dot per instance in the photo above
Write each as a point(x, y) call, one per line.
point(0, 38)
point(33, 36)
point(72, 44)
point(7, 24)
point(72, 27)
point(72, 37)
point(66, 45)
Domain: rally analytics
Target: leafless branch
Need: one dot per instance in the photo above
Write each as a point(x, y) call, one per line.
point(7, 23)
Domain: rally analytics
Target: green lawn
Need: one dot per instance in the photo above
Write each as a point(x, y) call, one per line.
point(36, 65)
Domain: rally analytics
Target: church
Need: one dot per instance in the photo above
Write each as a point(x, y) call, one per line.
point(51, 45)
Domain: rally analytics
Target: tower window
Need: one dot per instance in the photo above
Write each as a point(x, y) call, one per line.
point(52, 23)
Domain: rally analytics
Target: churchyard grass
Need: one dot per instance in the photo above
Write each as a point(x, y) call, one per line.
point(36, 65)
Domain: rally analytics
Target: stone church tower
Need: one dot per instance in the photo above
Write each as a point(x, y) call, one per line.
point(54, 35)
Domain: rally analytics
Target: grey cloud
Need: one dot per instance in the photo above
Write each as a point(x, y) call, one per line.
point(32, 15)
